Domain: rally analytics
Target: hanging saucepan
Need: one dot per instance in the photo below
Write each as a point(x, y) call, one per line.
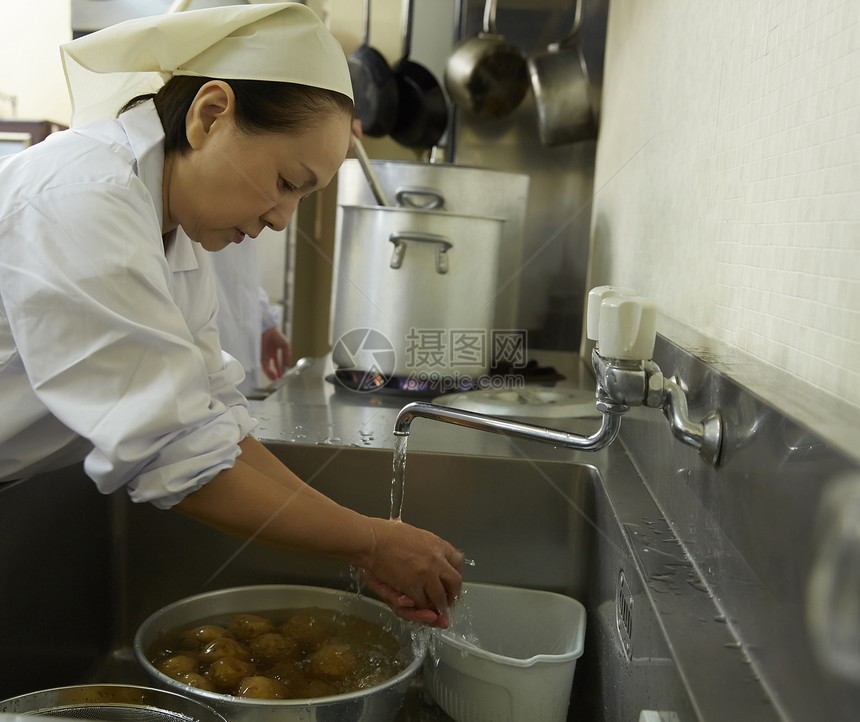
point(486, 74)
point(373, 86)
point(422, 111)
point(559, 78)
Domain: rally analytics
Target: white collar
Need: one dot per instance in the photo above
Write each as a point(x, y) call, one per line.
point(181, 252)
point(146, 138)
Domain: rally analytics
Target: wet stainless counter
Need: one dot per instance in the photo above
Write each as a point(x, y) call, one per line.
point(305, 408)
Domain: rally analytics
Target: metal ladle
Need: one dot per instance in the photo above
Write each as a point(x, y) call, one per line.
point(364, 162)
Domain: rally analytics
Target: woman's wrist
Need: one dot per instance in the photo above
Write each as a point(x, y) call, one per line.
point(367, 553)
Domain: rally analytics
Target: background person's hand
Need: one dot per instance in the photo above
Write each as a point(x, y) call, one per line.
point(274, 353)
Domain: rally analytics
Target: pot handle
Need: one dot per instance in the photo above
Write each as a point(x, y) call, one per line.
point(573, 36)
point(421, 198)
point(490, 17)
point(400, 238)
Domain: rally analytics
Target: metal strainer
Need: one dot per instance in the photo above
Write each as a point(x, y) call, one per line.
point(110, 703)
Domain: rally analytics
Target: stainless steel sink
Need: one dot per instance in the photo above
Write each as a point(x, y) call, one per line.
point(539, 524)
point(677, 564)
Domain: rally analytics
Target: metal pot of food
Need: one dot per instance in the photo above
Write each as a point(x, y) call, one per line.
point(110, 702)
point(458, 189)
point(320, 634)
point(485, 74)
point(562, 90)
point(424, 281)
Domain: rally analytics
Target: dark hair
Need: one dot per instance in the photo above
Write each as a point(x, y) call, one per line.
point(261, 106)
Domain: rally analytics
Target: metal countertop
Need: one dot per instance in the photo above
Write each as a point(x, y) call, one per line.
point(305, 408)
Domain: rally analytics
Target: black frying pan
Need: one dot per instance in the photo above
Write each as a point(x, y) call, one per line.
point(422, 111)
point(373, 85)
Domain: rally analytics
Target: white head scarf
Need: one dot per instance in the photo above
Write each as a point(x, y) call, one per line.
point(283, 42)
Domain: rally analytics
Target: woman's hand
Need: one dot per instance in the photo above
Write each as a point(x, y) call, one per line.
point(403, 606)
point(415, 572)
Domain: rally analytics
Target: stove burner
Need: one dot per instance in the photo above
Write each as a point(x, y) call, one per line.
point(429, 386)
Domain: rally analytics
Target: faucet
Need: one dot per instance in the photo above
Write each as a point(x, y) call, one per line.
point(624, 325)
point(605, 435)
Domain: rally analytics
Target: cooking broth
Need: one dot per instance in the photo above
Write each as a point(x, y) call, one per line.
point(293, 653)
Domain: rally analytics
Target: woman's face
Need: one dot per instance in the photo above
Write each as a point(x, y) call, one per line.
point(232, 184)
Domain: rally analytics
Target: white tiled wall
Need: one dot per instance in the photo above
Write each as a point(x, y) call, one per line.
point(728, 175)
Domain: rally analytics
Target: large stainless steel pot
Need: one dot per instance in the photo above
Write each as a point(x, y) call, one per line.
point(379, 703)
point(457, 189)
point(424, 281)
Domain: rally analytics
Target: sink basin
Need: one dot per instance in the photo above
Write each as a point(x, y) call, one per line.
point(536, 524)
point(518, 522)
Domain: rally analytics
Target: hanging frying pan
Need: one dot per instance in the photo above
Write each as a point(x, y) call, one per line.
point(373, 85)
point(422, 111)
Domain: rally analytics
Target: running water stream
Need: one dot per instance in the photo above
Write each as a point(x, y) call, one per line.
point(398, 488)
point(398, 480)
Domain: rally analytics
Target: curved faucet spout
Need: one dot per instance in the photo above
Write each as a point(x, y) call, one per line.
point(605, 435)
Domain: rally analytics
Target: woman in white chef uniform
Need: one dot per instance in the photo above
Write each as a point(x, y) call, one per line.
point(108, 347)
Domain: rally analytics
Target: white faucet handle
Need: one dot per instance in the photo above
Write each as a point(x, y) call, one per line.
point(595, 299)
point(627, 328)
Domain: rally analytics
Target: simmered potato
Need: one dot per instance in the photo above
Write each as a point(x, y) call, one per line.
point(193, 679)
point(227, 672)
point(248, 626)
point(272, 647)
point(306, 630)
point(333, 661)
point(202, 635)
point(224, 647)
point(261, 688)
point(177, 665)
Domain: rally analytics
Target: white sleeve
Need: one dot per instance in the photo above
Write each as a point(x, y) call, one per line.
point(108, 351)
point(267, 315)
